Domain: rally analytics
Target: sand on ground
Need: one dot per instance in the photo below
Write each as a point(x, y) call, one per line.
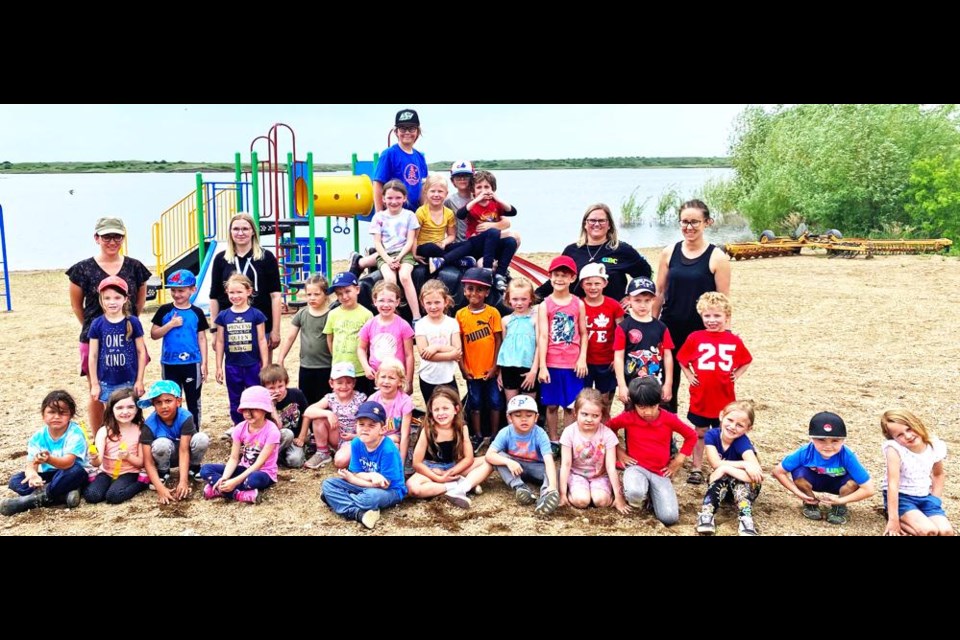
point(852, 336)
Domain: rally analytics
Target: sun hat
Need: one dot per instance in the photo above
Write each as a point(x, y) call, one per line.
point(256, 397)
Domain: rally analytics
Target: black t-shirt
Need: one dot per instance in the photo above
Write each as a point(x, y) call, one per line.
point(291, 409)
point(622, 263)
point(88, 275)
point(264, 273)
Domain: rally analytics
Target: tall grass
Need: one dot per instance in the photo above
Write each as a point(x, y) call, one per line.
point(631, 209)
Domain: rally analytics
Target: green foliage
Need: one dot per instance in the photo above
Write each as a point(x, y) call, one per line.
point(721, 196)
point(933, 197)
point(838, 166)
point(668, 206)
point(631, 210)
point(592, 163)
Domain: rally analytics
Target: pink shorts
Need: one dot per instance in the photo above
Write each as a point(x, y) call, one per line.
point(579, 483)
point(84, 358)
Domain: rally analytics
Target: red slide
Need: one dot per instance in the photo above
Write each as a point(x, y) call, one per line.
point(529, 270)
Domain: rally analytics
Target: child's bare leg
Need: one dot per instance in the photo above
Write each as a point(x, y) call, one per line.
point(494, 421)
point(552, 418)
point(510, 393)
point(917, 524)
point(569, 416)
point(475, 422)
point(368, 262)
point(849, 487)
point(479, 472)
point(578, 494)
point(321, 431)
point(943, 525)
point(389, 275)
point(423, 487)
point(805, 487)
point(95, 414)
point(409, 291)
point(341, 460)
point(698, 449)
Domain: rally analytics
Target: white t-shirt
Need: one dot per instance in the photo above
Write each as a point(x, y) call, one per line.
point(915, 468)
point(437, 335)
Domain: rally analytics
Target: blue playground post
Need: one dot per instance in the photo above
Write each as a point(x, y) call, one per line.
point(3, 265)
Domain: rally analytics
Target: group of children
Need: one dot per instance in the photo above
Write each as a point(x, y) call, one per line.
point(355, 407)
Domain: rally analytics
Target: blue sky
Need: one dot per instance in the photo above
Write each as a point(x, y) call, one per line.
point(213, 133)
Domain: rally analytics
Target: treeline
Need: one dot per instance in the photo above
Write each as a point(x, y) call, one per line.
point(162, 166)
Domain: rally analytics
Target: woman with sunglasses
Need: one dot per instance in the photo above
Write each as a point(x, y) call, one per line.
point(85, 277)
point(599, 243)
point(687, 270)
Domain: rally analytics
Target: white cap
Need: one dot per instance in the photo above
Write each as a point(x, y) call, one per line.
point(522, 403)
point(593, 270)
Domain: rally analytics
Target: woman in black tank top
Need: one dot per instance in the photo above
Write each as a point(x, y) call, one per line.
point(687, 270)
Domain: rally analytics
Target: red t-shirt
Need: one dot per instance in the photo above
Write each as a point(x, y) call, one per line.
point(649, 442)
point(490, 212)
point(601, 328)
point(713, 355)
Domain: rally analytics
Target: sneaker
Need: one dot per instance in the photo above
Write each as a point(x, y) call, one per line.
point(477, 490)
point(746, 526)
point(73, 499)
point(210, 493)
point(695, 477)
point(467, 263)
point(555, 448)
point(435, 264)
point(164, 480)
point(812, 511)
point(481, 448)
point(370, 518)
point(354, 267)
point(317, 460)
point(500, 282)
point(458, 498)
point(525, 496)
point(548, 503)
point(227, 435)
point(705, 524)
point(837, 514)
point(251, 495)
point(195, 476)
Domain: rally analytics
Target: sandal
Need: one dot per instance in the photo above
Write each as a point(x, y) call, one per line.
point(547, 503)
point(695, 477)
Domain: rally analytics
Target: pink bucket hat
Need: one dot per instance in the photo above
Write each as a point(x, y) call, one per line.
point(256, 398)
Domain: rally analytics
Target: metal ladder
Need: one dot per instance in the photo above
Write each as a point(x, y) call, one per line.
point(3, 264)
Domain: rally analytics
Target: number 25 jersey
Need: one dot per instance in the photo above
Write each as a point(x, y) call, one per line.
point(713, 356)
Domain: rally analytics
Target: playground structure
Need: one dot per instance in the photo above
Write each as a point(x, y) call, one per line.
point(3, 265)
point(284, 202)
point(772, 246)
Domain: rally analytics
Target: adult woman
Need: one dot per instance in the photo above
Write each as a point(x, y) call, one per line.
point(245, 256)
point(87, 274)
point(687, 270)
point(599, 242)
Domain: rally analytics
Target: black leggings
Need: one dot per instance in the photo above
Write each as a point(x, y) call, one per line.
point(315, 383)
point(742, 494)
point(427, 389)
point(113, 491)
point(188, 377)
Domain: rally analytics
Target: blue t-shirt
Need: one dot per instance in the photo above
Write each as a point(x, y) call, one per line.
point(385, 460)
point(240, 336)
point(180, 345)
point(117, 358)
point(737, 448)
point(532, 446)
point(844, 463)
point(72, 441)
point(408, 168)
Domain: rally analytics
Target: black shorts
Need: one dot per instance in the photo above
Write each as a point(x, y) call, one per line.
point(513, 377)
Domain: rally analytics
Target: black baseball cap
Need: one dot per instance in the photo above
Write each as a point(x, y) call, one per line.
point(827, 425)
point(407, 118)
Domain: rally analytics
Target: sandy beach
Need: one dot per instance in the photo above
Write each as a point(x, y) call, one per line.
point(852, 336)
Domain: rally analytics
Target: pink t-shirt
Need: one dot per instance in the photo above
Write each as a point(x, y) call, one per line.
point(110, 450)
point(401, 405)
point(563, 333)
point(589, 454)
point(251, 444)
point(601, 328)
point(385, 340)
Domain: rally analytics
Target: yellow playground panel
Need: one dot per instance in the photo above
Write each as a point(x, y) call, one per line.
point(336, 196)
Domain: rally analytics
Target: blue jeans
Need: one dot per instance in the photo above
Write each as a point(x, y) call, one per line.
point(59, 482)
point(535, 471)
point(351, 502)
point(211, 474)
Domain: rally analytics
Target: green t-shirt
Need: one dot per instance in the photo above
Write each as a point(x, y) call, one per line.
point(313, 343)
point(345, 327)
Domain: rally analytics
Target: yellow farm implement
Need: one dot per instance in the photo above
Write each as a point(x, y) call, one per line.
point(771, 246)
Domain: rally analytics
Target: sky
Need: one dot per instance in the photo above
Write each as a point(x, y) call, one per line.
point(214, 133)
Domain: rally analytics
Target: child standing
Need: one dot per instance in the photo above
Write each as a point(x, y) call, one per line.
point(334, 418)
point(603, 315)
point(290, 404)
point(386, 336)
point(241, 345)
point(913, 486)
point(517, 358)
point(121, 475)
point(374, 480)
point(588, 457)
point(56, 456)
point(183, 327)
point(712, 361)
point(481, 335)
point(315, 357)
point(642, 345)
point(397, 404)
point(443, 460)
point(825, 471)
point(487, 231)
point(170, 440)
point(649, 432)
point(394, 232)
point(562, 348)
point(401, 161)
point(343, 327)
point(522, 452)
point(736, 473)
point(438, 340)
point(252, 467)
point(118, 356)
point(437, 224)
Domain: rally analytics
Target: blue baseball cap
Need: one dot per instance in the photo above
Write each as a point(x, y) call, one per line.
point(182, 278)
point(345, 279)
point(158, 389)
point(373, 411)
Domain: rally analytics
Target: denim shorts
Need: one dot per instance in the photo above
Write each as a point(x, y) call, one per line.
point(484, 393)
point(439, 466)
point(601, 377)
point(929, 505)
point(107, 389)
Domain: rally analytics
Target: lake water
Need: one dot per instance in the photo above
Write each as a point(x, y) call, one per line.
point(48, 227)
